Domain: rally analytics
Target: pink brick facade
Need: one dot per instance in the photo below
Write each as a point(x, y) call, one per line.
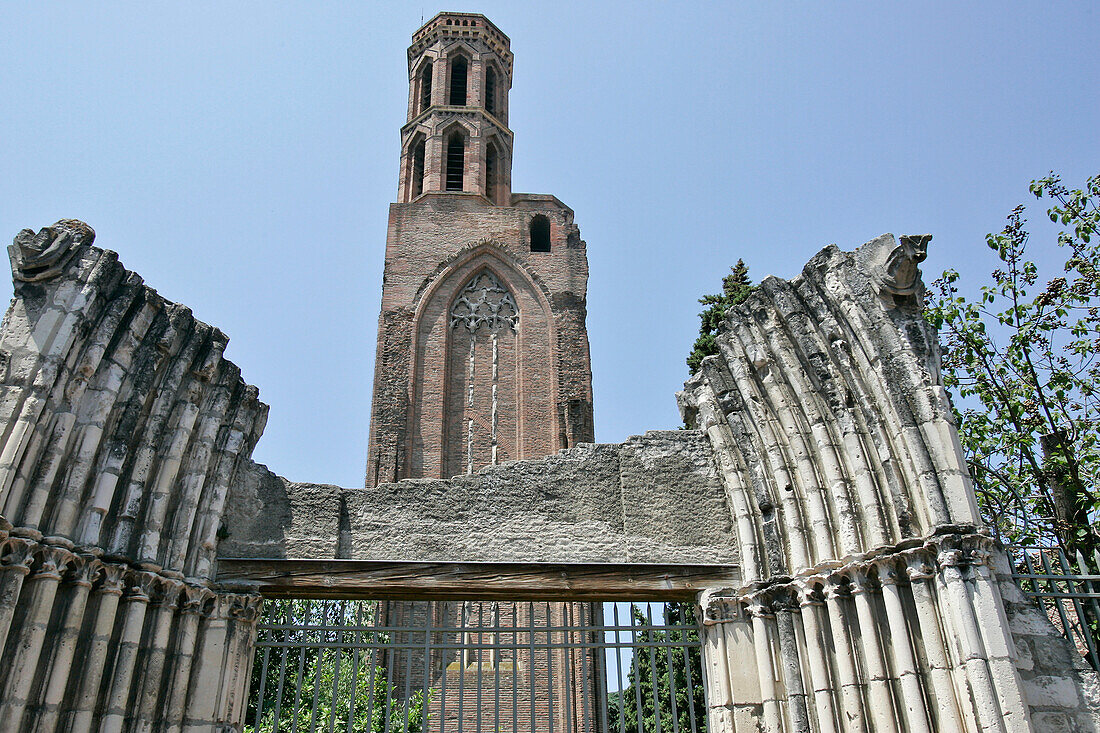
point(453, 393)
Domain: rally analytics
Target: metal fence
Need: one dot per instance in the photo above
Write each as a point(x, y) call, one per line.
point(1068, 591)
point(477, 667)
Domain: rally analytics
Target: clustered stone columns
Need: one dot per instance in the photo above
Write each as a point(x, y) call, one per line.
point(101, 645)
point(903, 641)
point(869, 600)
point(121, 431)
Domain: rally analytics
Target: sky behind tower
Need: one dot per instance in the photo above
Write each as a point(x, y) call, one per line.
point(241, 158)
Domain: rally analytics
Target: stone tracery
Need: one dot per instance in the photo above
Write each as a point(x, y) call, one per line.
point(485, 302)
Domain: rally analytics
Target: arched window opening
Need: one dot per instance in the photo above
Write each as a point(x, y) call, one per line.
point(418, 168)
point(458, 81)
point(540, 234)
point(491, 91)
point(491, 173)
point(426, 87)
point(456, 159)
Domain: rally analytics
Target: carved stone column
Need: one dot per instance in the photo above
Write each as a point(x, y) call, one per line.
point(78, 582)
point(38, 599)
point(16, 556)
point(878, 679)
point(763, 643)
point(999, 645)
point(195, 603)
point(167, 592)
point(812, 604)
point(134, 608)
point(847, 677)
point(969, 640)
point(790, 660)
point(208, 670)
point(912, 698)
point(939, 667)
point(733, 684)
point(244, 612)
point(105, 597)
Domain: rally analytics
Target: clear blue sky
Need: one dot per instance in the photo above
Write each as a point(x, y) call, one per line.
point(241, 157)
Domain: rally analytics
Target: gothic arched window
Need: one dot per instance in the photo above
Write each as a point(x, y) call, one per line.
point(482, 418)
point(540, 234)
point(418, 168)
point(426, 86)
point(456, 160)
point(491, 90)
point(491, 163)
point(459, 66)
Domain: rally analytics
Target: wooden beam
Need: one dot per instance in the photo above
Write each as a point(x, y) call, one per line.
point(384, 580)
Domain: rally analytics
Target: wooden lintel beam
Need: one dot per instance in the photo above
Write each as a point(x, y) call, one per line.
point(385, 580)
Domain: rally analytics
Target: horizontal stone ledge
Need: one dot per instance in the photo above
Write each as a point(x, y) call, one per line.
point(393, 580)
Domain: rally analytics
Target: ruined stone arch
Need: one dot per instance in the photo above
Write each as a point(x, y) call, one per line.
point(527, 371)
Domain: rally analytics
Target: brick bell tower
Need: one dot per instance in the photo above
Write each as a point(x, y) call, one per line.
point(482, 346)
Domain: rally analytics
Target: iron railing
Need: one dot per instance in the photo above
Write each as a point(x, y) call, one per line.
point(477, 667)
point(1069, 592)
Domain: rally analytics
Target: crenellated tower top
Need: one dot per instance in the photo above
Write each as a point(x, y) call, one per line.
point(456, 139)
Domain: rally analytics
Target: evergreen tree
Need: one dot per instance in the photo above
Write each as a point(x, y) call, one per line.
point(655, 672)
point(736, 286)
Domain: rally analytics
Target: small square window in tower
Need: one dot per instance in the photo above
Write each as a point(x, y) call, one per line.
point(456, 159)
point(540, 234)
point(458, 82)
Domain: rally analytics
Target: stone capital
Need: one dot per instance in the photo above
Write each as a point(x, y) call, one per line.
point(82, 571)
point(140, 585)
point(760, 606)
point(245, 607)
point(166, 592)
point(919, 568)
point(52, 562)
point(196, 600)
point(110, 579)
point(719, 608)
point(862, 579)
point(886, 570)
point(835, 589)
point(810, 592)
point(16, 555)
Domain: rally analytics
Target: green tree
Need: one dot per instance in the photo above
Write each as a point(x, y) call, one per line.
point(1023, 358)
point(736, 286)
point(655, 672)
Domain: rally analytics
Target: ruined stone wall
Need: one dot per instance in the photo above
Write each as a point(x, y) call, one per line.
point(873, 599)
point(435, 246)
point(656, 498)
point(122, 429)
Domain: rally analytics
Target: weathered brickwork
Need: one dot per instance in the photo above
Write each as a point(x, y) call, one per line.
point(451, 396)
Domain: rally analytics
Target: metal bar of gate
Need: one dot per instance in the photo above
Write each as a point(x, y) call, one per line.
point(346, 661)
